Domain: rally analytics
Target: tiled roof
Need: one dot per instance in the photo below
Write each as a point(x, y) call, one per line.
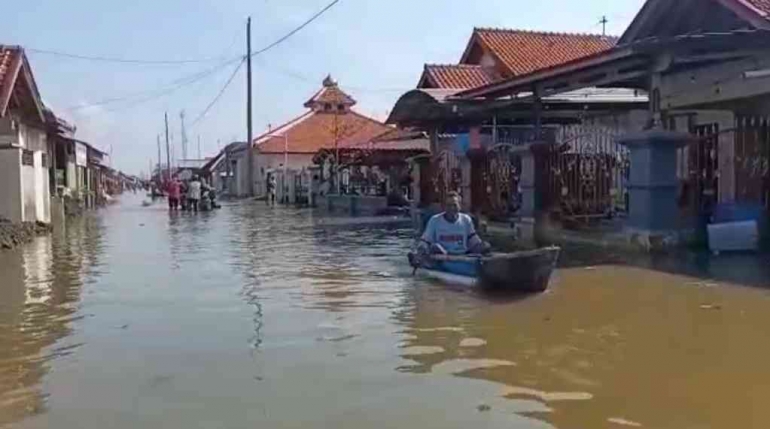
point(460, 76)
point(316, 130)
point(523, 52)
point(330, 93)
point(10, 63)
point(761, 6)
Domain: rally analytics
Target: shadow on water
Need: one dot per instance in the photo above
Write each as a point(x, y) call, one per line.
point(746, 269)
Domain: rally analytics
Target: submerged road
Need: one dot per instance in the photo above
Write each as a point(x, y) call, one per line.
point(271, 318)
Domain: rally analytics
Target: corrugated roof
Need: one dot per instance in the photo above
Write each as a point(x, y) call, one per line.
point(523, 52)
point(457, 76)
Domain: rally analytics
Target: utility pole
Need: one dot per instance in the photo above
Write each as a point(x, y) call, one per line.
point(184, 136)
point(160, 160)
point(604, 22)
point(168, 149)
point(249, 129)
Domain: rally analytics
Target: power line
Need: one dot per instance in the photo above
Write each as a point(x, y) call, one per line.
point(119, 60)
point(311, 81)
point(186, 80)
point(219, 95)
point(296, 30)
point(158, 92)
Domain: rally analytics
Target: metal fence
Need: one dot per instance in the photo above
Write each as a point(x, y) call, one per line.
point(586, 173)
point(752, 160)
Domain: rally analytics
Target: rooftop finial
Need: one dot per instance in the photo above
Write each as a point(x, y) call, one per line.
point(329, 82)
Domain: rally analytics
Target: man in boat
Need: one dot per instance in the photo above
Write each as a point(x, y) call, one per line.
point(452, 232)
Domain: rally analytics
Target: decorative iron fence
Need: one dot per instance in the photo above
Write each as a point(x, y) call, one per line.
point(752, 160)
point(726, 166)
point(447, 175)
point(586, 173)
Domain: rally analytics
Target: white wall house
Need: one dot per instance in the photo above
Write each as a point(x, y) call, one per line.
point(24, 158)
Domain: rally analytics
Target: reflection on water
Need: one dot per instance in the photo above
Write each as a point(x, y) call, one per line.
point(270, 317)
point(41, 288)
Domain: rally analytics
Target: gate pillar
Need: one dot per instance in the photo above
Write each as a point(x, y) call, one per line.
point(653, 186)
point(532, 157)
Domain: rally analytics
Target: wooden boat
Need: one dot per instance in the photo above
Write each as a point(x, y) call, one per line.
point(522, 272)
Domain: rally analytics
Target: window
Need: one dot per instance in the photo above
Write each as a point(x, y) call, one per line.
point(28, 158)
point(327, 107)
point(341, 107)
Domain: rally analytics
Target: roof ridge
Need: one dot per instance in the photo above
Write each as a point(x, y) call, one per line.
point(542, 32)
point(469, 66)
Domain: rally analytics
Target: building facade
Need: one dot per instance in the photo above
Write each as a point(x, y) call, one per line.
point(24, 155)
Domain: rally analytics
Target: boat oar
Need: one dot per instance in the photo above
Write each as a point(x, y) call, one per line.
point(413, 263)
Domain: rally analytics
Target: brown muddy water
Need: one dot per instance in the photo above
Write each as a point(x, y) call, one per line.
point(257, 317)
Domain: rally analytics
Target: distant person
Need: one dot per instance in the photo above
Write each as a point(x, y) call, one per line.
point(271, 185)
point(174, 191)
point(452, 232)
point(194, 194)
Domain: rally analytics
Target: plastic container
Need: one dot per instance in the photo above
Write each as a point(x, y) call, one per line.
point(733, 236)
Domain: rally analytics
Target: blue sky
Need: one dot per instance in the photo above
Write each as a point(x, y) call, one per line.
point(374, 48)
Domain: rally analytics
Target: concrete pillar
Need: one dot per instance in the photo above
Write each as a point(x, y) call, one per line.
point(531, 163)
point(653, 186)
point(465, 183)
point(531, 156)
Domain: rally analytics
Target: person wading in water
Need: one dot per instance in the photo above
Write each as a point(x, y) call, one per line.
point(193, 194)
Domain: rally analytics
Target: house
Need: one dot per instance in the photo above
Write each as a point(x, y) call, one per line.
point(60, 136)
point(24, 157)
point(473, 157)
point(219, 171)
point(330, 123)
point(494, 54)
point(699, 145)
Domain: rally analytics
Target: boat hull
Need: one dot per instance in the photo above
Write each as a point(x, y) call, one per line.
point(524, 272)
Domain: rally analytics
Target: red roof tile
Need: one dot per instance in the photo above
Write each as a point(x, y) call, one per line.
point(761, 7)
point(316, 130)
point(10, 63)
point(460, 76)
point(330, 93)
point(523, 52)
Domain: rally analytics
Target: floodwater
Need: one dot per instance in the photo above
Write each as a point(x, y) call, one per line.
point(264, 317)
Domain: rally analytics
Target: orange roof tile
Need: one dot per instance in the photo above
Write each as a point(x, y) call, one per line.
point(523, 52)
point(762, 6)
point(460, 76)
point(10, 63)
point(330, 93)
point(316, 130)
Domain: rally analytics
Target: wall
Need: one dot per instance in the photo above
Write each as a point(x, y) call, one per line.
point(241, 172)
point(11, 207)
point(36, 180)
point(28, 193)
point(263, 163)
